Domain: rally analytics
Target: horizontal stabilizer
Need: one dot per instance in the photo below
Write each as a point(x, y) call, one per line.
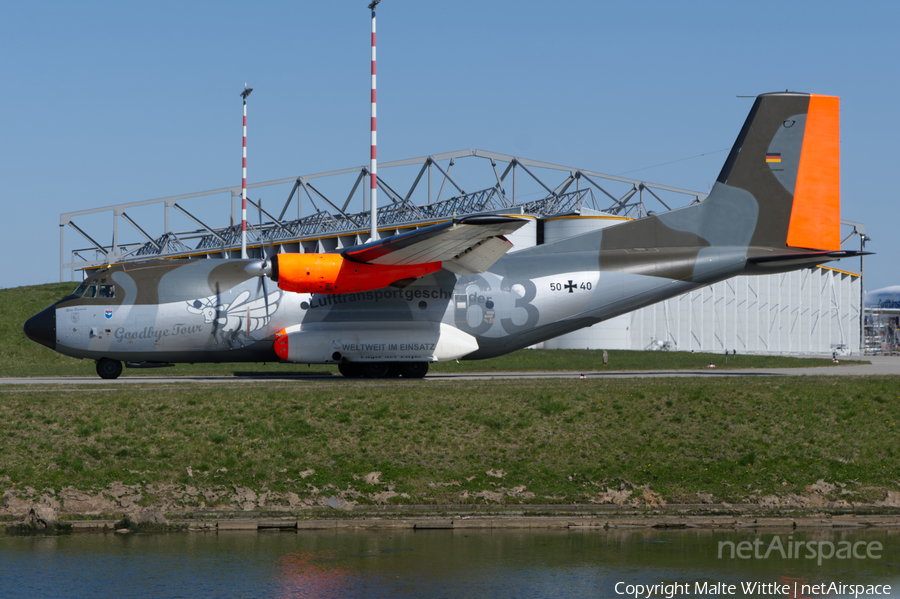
point(808, 256)
point(772, 262)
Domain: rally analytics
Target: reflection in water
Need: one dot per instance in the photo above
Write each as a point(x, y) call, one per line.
point(438, 563)
point(311, 574)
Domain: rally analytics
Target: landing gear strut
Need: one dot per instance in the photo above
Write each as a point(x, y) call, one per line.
point(109, 369)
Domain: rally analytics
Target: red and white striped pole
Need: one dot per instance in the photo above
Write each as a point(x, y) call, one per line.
point(244, 95)
point(373, 168)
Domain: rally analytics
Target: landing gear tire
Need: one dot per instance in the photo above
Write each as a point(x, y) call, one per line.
point(381, 370)
point(375, 370)
point(109, 369)
point(413, 370)
point(350, 370)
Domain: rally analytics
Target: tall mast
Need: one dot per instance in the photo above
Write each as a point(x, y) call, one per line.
point(244, 95)
point(373, 167)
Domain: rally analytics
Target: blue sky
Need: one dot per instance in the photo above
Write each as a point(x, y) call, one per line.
point(110, 102)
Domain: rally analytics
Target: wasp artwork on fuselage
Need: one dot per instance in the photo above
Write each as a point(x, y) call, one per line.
point(453, 290)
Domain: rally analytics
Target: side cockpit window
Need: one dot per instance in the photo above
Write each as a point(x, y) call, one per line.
point(94, 290)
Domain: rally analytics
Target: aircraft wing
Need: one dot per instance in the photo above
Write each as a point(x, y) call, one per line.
point(464, 246)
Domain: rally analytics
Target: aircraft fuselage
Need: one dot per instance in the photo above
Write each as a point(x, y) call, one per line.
point(212, 311)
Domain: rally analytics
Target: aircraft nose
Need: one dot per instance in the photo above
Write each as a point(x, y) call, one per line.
point(41, 328)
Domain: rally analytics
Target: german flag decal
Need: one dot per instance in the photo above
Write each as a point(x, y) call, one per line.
point(773, 157)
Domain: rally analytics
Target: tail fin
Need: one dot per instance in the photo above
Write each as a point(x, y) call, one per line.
point(787, 157)
point(779, 189)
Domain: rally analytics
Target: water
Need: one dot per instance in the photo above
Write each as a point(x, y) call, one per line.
point(438, 563)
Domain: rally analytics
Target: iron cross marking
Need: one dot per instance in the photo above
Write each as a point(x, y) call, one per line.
point(571, 286)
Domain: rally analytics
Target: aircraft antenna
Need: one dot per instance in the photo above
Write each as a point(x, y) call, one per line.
point(373, 168)
point(244, 95)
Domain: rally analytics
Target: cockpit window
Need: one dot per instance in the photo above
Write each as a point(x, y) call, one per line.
point(107, 291)
point(80, 290)
point(91, 291)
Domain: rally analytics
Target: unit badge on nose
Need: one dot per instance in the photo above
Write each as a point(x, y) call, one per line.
point(108, 314)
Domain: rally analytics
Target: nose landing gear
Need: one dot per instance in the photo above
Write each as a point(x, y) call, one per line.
point(109, 369)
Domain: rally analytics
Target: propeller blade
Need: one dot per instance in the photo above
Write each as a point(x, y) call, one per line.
point(262, 244)
point(215, 322)
point(262, 268)
point(271, 251)
point(265, 291)
point(230, 235)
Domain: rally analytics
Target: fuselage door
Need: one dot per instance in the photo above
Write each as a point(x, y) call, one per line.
point(461, 305)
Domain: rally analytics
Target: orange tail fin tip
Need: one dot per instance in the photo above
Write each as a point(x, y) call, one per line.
point(816, 213)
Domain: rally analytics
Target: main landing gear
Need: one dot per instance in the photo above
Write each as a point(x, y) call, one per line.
point(381, 370)
point(109, 369)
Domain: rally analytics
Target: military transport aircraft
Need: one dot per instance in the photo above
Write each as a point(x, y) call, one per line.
point(450, 290)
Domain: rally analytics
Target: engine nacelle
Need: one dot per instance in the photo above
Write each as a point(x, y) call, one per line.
point(332, 273)
point(373, 342)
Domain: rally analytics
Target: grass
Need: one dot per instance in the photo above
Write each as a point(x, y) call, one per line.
point(565, 440)
point(21, 357)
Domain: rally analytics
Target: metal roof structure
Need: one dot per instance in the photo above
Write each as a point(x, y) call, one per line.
point(498, 188)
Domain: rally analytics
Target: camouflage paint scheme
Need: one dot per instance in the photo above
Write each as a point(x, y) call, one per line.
point(214, 311)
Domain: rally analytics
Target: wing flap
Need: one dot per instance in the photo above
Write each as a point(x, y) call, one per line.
point(479, 257)
point(471, 243)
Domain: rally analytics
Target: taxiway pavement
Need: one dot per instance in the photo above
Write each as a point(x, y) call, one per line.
point(877, 366)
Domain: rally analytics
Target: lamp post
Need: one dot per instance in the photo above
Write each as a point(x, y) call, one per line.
point(863, 238)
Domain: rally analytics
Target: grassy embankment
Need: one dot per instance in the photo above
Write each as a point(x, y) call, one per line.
point(734, 441)
point(563, 440)
point(21, 357)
